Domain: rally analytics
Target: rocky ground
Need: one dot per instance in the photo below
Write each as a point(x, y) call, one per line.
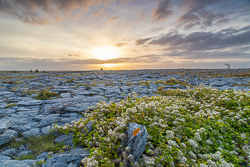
point(30, 103)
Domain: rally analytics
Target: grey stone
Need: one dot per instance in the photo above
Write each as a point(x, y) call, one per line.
point(136, 143)
point(43, 155)
point(30, 103)
point(57, 164)
point(11, 151)
point(5, 124)
point(33, 132)
point(7, 136)
point(48, 120)
point(29, 162)
point(23, 153)
point(71, 165)
point(13, 163)
point(80, 107)
point(69, 120)
point(88, 128)
point(45, 130)
point(79, 151)
point(2, 157)
point(65, 95)
point(64, 159)
point(4, 93)
point(66, 138)
point(24, 128)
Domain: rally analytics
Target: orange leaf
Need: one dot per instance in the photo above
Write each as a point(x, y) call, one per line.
point(136, 131)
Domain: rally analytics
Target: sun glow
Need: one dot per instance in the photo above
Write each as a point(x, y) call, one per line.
point(106, 52)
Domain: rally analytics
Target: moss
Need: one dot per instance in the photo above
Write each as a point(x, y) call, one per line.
point(10, 105)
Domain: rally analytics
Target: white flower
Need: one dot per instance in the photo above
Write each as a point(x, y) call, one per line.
point(170, 134)
point(197, 136)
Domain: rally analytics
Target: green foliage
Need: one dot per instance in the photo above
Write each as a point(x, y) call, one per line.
point(10, 105)
point(69, 81)
point(202, 124)
point(46, 95)
point(24, 157)
point(38, 145)
point(30, 70)
point(36, 70)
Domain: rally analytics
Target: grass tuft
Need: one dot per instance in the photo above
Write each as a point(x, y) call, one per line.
point(37, 145)
point(46, 95)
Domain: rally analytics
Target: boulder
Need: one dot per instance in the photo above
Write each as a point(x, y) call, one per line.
point(136, 139)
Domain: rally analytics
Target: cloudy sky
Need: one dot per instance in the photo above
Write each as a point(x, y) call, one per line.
point(124, 34)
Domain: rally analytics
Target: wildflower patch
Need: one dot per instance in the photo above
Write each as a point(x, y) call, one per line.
point(196, 127)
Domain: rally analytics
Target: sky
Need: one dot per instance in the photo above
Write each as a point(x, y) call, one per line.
point(124, 34)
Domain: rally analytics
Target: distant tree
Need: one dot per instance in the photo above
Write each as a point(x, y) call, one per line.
point(101, 69)
point(36, 70)
point(30, 70)
point(228, 65)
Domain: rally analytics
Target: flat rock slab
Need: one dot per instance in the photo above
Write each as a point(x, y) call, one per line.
point(64, 159)
point(5, 124)
point(33, 132)
point(30, 103)
point(78, 107)
point(3, 157)
point(7, 136)
point(13, 163)
point(4, 93)
point(66, 138)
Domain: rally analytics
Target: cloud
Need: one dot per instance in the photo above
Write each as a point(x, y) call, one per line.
point(142, 41)
point(163, 11)
point(101, 13)
point(59, 64)
point(200, 13)
point(143, 17)
point(156, 29)
point(113, 19)
point(228, 43)
point(73, 55)
point(222, 39)
point(120, 44)
point(46, 11)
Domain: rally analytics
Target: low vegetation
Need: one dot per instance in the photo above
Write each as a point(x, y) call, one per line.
point(46, 95)
point(171, 82)
point(37, 145)
point(195, 127)
point(10, 105)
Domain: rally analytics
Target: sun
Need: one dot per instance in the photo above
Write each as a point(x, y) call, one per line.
point(106, 52)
